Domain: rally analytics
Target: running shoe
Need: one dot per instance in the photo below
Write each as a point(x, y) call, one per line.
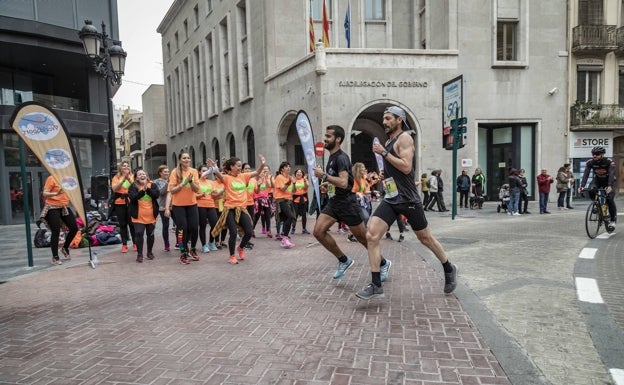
point(278, 236)
point(286, 243)
point(139, 258)
point(370, 292)
point(167, 248)
point(56, 261)
point(383, 270)
point(305, 231)
point(241, 254)
point(212, 246)
point(264, 231)
point(292, 231)
point(65, 252)
point(401, 238)
point(233, 260)
point(184, 259)
point(611, 227)
point(450, 280)
point(194, 256)
point(388, 236)
point(134, 247)
point(268, 234)
point(124, 248)
point(343, 267)
point(205, 249)
point(150, 255)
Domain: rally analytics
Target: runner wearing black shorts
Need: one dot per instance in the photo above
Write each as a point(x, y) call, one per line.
point(343, 206)
point(401, 198)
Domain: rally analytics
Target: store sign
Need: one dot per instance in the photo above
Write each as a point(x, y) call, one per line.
point(581, 143)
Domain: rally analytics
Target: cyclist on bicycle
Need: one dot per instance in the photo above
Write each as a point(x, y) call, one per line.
point(604, 176)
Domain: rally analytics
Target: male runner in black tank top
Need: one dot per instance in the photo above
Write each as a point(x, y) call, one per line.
point(401, 198)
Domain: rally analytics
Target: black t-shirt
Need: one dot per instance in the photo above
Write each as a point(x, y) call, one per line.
point(339, 161)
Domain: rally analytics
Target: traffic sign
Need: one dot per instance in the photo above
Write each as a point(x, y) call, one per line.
point(319, 148)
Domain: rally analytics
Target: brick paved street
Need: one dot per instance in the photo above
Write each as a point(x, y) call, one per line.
point(279, 317)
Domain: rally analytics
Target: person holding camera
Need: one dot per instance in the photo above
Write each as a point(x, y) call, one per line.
point(183, 184)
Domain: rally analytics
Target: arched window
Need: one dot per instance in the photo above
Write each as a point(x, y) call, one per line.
point(192, 154)
point(217, 151)
point(251, 147)
point(232, 145)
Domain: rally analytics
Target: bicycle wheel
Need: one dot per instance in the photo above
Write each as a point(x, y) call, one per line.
point(593, 220)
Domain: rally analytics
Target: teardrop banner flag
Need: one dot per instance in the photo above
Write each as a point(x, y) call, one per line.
point(45, 134)
point(306, 137)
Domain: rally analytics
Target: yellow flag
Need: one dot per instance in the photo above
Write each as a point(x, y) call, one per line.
point(46, 136)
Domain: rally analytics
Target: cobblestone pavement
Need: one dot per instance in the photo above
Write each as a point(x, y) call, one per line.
point(279, 317)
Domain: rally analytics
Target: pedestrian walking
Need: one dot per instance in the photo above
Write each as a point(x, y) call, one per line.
point(401, 198)
point(284, 212)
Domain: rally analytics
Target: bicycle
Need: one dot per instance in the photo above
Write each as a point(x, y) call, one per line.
point(597, 214)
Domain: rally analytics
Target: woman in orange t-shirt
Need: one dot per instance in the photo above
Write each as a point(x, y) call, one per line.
point(143, 209)
point(300, 201)
point(235, 212)
point(282, 192)
point(262, 200)
point(206, 207)
point(120, 184)
point(183, 184)
point(55, 212)
point(251, 207)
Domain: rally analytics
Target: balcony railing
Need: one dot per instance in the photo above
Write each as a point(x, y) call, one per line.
point(585, 115)
point(594, 38)
point(620, 41)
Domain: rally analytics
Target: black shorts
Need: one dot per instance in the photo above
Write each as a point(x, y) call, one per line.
point(412, 211)
point(344, 209)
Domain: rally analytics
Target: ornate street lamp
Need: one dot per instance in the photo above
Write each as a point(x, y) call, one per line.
point(109, 63)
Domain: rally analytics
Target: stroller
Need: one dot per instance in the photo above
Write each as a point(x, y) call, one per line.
point(504, 196)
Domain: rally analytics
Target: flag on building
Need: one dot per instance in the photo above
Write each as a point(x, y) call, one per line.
point(347, 24)
point(311, 33)
point(325, 25)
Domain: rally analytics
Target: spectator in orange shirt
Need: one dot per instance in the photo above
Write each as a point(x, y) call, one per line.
point(300, 201)
point(120, 184)
point(282, 192)
point(183, 184)
point(206, 207)
point(55, 212)
point(143, 210)
point(262, 200)
point(235, 214)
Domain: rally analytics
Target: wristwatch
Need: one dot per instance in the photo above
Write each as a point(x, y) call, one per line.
point(384, 153)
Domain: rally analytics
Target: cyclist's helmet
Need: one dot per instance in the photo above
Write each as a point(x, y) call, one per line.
point(598, 150)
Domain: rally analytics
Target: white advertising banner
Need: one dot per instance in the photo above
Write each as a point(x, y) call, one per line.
point(581, 143)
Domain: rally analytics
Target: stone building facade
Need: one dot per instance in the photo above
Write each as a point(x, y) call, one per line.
point(237, 72)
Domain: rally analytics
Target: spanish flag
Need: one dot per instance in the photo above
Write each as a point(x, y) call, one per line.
point(325, 25)
point(311, 34)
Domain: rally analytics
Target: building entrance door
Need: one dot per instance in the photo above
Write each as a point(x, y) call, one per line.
point(497, 166)
point(35, 179)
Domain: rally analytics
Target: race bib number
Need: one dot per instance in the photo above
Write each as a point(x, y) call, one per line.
point(391, 188)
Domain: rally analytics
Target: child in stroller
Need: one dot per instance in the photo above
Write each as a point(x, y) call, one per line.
point(503, 195)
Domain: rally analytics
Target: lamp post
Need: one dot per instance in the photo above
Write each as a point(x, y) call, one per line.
point(109, 62)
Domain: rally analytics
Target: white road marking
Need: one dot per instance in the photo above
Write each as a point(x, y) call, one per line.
point(587, 290)
point(588, 253)
point(617, 375)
